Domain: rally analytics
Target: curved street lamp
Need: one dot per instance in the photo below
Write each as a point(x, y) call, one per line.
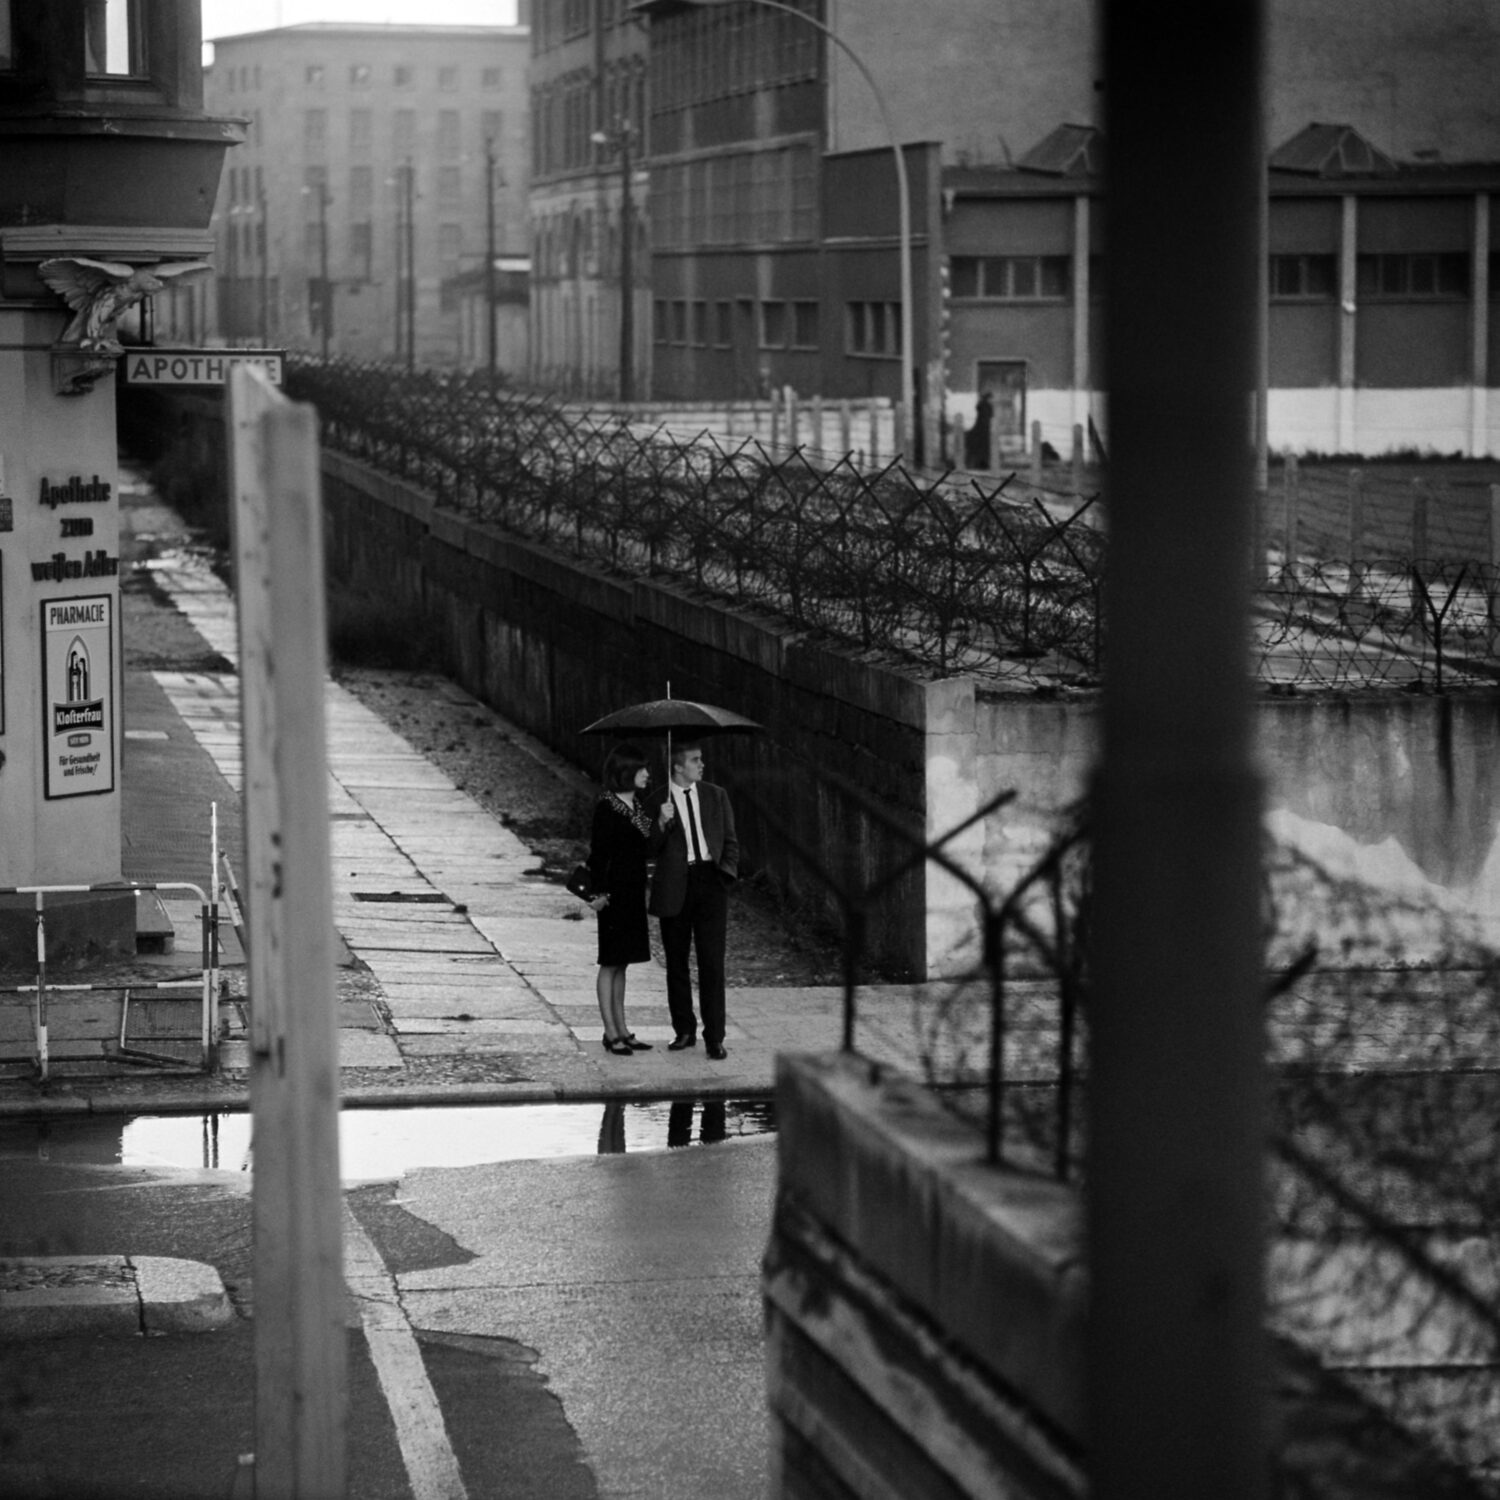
point(903, 187)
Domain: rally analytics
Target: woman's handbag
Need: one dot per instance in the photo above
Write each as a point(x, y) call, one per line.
point(581, 883)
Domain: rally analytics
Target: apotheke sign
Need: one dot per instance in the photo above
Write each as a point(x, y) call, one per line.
point(197, 366)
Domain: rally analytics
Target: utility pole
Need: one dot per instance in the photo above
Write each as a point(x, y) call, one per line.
point(265, 267)
point(325, 298)
point(627, 272)
point(619, 140)
point(489, 256)
point(411, 266)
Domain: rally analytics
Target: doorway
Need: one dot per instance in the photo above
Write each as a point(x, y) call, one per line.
point(1005, 380)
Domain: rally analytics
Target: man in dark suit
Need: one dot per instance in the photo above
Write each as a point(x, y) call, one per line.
point(697, 860)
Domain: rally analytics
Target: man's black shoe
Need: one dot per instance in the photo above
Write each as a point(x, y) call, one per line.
point(679, 1042)
point(718, 1054)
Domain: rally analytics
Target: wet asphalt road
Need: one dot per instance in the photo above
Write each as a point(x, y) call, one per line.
point(589, 1326)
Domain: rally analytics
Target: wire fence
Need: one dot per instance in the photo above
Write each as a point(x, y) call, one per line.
point(1363, 581)
point(1384, 1179)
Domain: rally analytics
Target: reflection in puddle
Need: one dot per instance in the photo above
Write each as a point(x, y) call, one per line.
point(381, 1143)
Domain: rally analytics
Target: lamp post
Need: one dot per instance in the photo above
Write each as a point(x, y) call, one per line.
point(619, 139)
point(903, 187)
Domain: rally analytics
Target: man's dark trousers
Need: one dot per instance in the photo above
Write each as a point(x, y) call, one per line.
point(702, 924)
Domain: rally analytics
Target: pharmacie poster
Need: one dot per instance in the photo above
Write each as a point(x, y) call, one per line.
point(78, 695)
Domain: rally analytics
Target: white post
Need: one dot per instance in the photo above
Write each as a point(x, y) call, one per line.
point(300, 1340)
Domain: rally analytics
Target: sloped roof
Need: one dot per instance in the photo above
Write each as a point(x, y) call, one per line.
point(1069, 151)
point(1331, 151)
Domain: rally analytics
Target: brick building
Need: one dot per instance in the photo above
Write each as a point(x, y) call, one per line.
point(368, 145)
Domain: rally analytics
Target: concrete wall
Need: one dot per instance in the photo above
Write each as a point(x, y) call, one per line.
point(945, 1360)
point(554, 644)
point(1401, 793)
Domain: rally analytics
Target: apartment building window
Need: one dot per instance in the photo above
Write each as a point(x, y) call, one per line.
point(450, 188)
point(1304, 278)
point(449, 139)
point(404, 138)
point(491, 122)
point(361, 189)
point(359, 75)
point(874, 328)
point(489, 78)
point(679, 322)
point(773, 325)
point(361, 132)
point(1437, 275)
point(312, 75)
point(804, 325)
point(744, 197)
point(723, 324)
point(315, 132)
point(1011, 278)
point(113, 43)
point(405, 76)
point(362, 249)
point(448, 79)
point(700, 323)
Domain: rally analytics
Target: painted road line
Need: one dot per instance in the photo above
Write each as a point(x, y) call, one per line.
point(431, 1465)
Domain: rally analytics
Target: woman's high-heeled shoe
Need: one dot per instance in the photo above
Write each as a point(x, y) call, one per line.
point(618, 1046)
point(635, 1046)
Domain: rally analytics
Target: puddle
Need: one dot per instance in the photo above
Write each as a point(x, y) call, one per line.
point(375, 1144)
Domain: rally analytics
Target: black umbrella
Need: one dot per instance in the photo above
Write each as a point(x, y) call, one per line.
point(669, 716)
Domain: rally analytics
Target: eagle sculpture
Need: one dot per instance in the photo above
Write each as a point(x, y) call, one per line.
point(98, 291)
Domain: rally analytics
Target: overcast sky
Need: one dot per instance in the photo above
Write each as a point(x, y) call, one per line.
point(229, 17)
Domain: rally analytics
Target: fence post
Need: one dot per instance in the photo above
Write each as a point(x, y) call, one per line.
point(300, 1338)
point(846, 429)
point(1419, 556)
point(1078, 458)
point(874, 432)
point(815, 418)
point(1291, 495)
point(993, 456)
point(1492, 582)
point(729, 419)
point(793, 412)
point(1036, 453)
point(1356, 531)
point(775, 420)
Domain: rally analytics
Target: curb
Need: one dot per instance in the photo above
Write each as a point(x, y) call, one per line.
point(373, 1096)
point(49, 1296)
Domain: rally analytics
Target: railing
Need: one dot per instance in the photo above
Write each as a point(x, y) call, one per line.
point(44, 988)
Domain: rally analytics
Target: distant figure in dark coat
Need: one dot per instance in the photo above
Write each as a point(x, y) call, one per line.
point(977, 438)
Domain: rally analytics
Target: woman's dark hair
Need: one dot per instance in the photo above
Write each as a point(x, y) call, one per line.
point(621, 768)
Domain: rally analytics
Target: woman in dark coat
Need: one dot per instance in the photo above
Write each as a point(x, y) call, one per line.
point(618, 846)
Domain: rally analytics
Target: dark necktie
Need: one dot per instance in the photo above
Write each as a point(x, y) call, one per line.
point(697, 850)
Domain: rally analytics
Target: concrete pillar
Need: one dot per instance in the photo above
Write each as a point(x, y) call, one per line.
point(1177, 1130)
point(1348, 322)
point(951, 754)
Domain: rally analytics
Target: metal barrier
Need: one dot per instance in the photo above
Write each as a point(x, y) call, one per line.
point(208, 979)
